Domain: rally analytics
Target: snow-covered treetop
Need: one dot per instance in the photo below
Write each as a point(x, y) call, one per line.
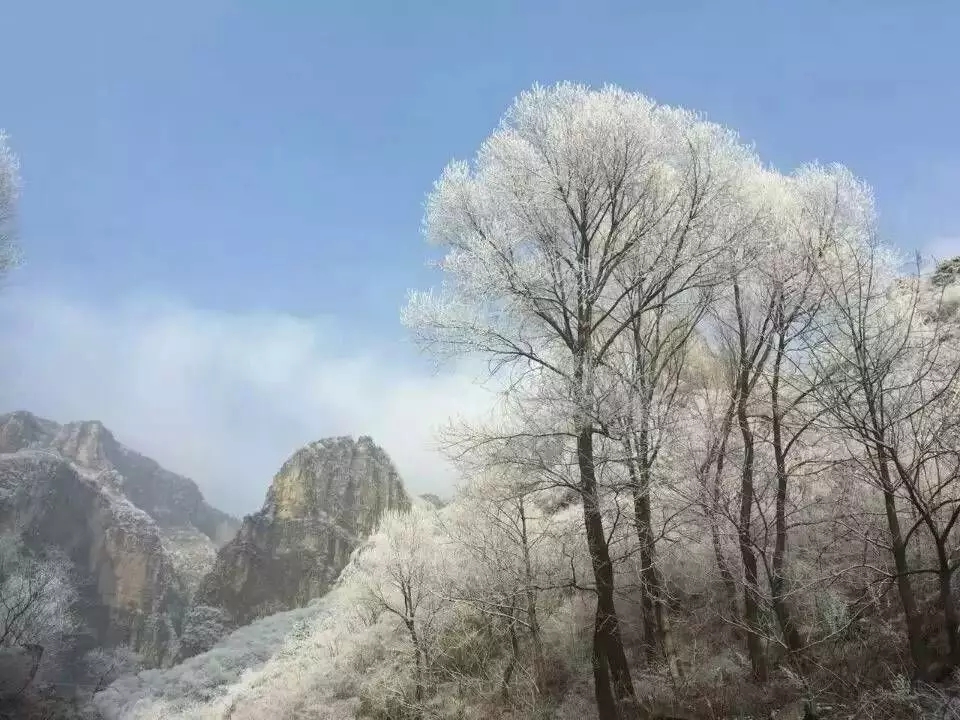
point(585, 207)
point(647, 186)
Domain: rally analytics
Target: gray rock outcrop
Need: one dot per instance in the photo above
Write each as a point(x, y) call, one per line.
point(322, 503)
point(139, 537)
point(129, 593)
point(172, 500)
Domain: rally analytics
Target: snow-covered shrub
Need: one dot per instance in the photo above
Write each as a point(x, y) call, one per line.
point(103, 666)
point(834, 612)
point(206, 677)
point(203, 627)
point(36, 595)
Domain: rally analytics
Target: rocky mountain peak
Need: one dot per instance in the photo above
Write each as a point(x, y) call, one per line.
point(339, 480)
point(172, 500)
point(21, 430)
point(88, 443)
point(325, 500)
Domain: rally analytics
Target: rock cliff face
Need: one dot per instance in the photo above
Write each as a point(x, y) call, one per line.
point(129, 592)
point(171, 500)
point(139, 536)
point(324, 501)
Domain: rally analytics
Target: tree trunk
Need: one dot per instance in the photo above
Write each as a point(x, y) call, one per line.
point(717, 456)
point(658, 640)
point(649, 577)
point(918, 648)
point(781, 609)
point(539, 664)
point(610, 660)
point(950, 621)
point(726, 576)
point(666, 637)
point(652, 610)
point(751, 590)
point(606, 705)
point(791, 636)
point(514, 658)
point(418, 662)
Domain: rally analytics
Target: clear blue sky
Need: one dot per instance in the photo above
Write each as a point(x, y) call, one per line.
point(275, 155)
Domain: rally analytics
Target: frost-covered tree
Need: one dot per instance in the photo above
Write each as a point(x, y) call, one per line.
point(762, 327)
point(584, 210)
point(758, 329)
point(893, 389)
point(499, 533)
point(646, 374)
point(743, 328)
point(36, 596)
point(399, 574)
point(104, 665)
point(203, 627)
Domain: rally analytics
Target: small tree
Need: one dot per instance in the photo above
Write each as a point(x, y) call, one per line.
point(398, 575)
point(203, 627)
point(104, 665)
point(497, 530)
point(946, 272)
point(36, 596)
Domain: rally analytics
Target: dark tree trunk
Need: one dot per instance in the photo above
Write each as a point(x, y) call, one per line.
point(950, 621)
point(610, 660)
point(658, 641)
point(717, 459)
point(781, 608)
point(418, 662)
point(606, 705)
point(539, 664)
point(751, 591)
point(514, 658)
point(918, 648)
point(650, 592)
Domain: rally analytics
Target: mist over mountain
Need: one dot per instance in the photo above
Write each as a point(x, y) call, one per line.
point(224, 397)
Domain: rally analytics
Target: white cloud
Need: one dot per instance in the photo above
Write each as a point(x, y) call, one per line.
point(225, 398)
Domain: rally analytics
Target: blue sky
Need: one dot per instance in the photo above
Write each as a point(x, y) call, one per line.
point(250, 165)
